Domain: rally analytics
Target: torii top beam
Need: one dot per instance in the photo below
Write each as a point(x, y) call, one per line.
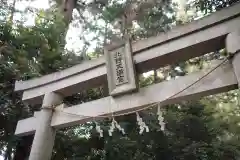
point(182, 43)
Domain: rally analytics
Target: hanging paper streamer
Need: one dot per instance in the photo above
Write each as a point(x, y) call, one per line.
point(99, 130)
point(115, 125)
point(160, 118)
point(142, 125)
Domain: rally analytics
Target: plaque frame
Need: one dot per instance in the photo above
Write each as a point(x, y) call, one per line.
point(131, 84)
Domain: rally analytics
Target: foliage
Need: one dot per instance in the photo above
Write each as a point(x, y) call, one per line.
point(212, 5)
point(27, 52)
point(202, 129)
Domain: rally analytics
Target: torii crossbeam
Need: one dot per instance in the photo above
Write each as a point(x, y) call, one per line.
point(217, 31)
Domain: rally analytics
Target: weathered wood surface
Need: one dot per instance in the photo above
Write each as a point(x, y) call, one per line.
point(221, 80)
point(179, 44)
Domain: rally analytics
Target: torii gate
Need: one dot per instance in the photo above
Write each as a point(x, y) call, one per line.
point(214, 32)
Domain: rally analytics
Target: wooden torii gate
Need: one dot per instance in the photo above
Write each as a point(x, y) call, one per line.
point(214, 32)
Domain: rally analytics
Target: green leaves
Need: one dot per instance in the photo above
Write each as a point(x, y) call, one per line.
point(202, 130)
point(209, 6)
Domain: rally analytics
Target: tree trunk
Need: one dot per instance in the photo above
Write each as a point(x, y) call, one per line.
point(68, 6)
point(23, 148)
point(12, 11)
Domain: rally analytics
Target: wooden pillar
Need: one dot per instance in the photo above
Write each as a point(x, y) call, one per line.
point(233, 47)
point(44, 136)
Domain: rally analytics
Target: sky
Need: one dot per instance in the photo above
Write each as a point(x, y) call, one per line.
point(73, 41)
point(21, 5)
point(73, 34)
point(72, 38)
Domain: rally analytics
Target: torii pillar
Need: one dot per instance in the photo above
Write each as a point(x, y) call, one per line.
point(45, 135)
point(233, 47)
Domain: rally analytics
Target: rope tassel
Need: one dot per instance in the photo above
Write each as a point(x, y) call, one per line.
point(115, 125)
point(160, 118)
point(142, 125)
point(99, 130)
